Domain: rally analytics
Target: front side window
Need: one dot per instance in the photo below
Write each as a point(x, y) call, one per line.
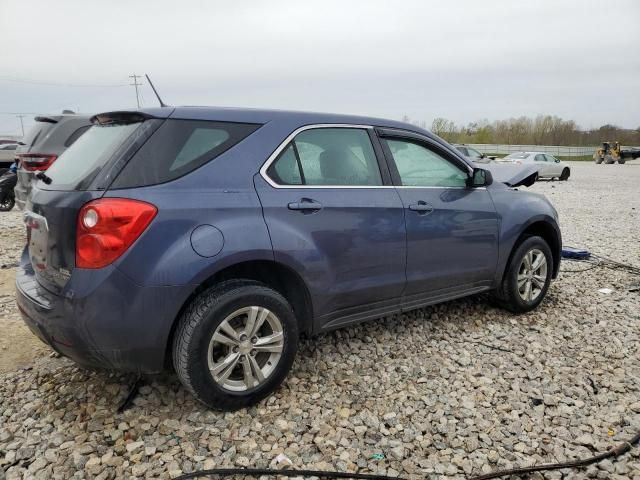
point(550, 158)
point(419, 166)
point(328, 157)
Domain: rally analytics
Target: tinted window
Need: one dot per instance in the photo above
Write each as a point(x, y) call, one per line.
point(76, 135)
point(285, 170)
point(328, 157)
point(419, 166)
point(540, 158)
point(87, 154)
point(179, 147)
point(463, 150)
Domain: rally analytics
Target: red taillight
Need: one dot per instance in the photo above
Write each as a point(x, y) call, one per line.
point(36, 162)
point(107, 228)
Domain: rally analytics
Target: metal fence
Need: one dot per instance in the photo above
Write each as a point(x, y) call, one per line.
point(553, 150)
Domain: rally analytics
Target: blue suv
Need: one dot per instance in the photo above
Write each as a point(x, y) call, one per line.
point(210, 239)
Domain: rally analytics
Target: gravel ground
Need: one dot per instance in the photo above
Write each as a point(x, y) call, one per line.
point(440, 392)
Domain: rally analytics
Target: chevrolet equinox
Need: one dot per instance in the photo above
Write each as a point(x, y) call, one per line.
point(210, 239)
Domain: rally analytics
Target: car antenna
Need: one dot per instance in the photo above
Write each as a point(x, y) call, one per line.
point(162, 104)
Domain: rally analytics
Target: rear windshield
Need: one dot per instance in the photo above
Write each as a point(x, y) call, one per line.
point(179, 147)
point(39, 130)
point(87, 155)
point(518, 155)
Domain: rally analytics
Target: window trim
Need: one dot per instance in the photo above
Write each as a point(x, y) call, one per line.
point(285, 143)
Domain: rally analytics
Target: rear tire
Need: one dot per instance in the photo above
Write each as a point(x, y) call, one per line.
point(621, 162)
point(7, 203)
point(527, 277)
point(221, 359)
point(565, 174)
point(598, 159)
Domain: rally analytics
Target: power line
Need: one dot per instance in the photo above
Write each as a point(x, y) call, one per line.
point(58, 84)
point(136, 85)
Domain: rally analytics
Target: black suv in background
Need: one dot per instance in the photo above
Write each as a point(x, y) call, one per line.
point(43, 144)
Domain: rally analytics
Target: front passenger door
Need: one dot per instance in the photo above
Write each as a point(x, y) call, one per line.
point(554, 165)
point(452, 230)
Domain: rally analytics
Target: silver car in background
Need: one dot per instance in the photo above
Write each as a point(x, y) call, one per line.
point(473, 154)
point(43, 144)
point(548, 165)
point(7, 155)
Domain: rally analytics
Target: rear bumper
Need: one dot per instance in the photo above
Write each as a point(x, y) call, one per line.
point(102, 319)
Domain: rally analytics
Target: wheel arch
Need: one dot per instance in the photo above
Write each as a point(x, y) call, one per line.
point(273, 274)
point(546, 230)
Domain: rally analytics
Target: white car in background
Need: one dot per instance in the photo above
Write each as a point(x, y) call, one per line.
point(548, 165)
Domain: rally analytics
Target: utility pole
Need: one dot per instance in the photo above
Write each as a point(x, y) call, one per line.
point(136, 84)
point(21, 124)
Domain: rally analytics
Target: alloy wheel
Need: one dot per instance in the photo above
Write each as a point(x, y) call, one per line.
point(532, 275)
point(245, 348)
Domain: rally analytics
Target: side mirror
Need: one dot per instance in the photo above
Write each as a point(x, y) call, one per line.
point(557, 160)
point(480, 178)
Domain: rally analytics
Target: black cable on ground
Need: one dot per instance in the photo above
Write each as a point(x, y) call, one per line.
point(615, 452)
point(133, 391)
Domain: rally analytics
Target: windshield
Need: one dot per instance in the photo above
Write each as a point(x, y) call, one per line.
point(84, 159)
point(520, 155)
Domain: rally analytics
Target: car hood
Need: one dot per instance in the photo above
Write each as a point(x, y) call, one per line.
point(513, 175)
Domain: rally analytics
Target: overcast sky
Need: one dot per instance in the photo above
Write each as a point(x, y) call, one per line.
point(462, 60)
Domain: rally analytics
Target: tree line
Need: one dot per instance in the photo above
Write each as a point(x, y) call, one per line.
point(541, 130)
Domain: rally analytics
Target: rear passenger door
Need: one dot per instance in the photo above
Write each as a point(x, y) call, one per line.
point(452, 230)
point(335, 218)
point(545, 169)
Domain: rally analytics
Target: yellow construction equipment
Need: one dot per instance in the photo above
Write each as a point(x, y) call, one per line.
point(610, 152)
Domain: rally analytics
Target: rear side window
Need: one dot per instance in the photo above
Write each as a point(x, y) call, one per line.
point(179, 147)
point(328, 157)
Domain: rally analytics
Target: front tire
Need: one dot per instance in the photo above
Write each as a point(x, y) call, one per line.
point(235, 344)
point(565, 175)
point(527, 277)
